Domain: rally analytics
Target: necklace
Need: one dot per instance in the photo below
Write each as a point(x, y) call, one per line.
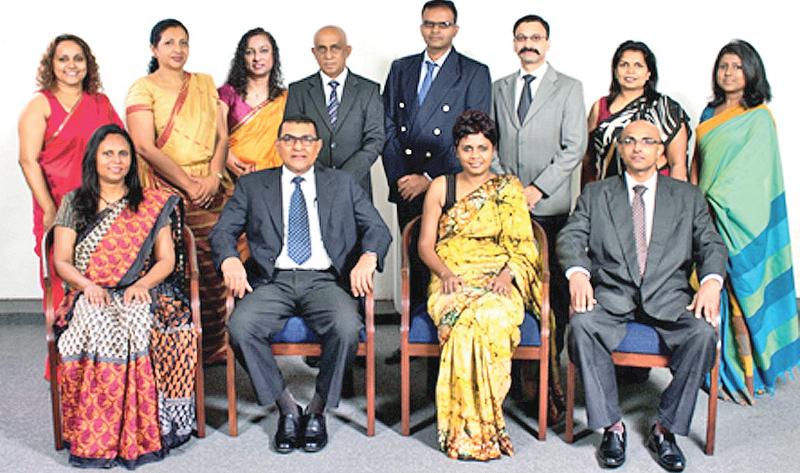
point(109, 202)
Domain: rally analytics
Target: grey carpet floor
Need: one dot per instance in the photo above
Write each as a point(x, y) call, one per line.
point(763, 438)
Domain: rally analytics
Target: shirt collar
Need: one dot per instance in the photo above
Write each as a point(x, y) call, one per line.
point(650, 183)
point(287, 175)
point(539, 72)
point(340, 78)
point(439, 62)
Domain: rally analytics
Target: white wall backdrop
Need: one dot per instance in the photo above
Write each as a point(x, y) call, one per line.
point(684, 35)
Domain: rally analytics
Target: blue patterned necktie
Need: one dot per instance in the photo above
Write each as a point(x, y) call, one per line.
point(333, 102)
point(426, 82)
point(298, 240)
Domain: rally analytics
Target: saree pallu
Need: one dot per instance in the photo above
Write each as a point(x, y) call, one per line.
point(665, 113)
point(742, 178)
point(186, 130)
point(483, 232)
point(127, 371)
point(254, 130)
point(61, 157)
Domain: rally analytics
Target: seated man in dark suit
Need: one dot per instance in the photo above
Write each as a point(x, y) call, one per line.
point(307, 226)
point(628, 251)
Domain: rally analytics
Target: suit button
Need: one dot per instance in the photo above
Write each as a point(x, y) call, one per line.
point(401, 105)
point(427, 154)
point(333, 145)
point(403, 129)
point(408, 152)
point(271, 259)
point(437, 131)
point(445, 108)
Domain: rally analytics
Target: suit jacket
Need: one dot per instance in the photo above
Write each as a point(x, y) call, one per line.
point(355, 141)
point(349, 223)
point(549, 144)
point(420, 139)
point(598, 236)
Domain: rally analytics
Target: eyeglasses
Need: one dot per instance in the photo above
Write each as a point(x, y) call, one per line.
point(646, 142)
point(305, 140)
point(441, 24)
point(334, 49)
point(521, 38)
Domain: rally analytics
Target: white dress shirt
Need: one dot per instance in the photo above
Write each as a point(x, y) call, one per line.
point(538, 73)
point(319, 259)
point(326, 86)
point(424, 68)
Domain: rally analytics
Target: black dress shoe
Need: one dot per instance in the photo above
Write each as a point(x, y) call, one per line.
point(315, 435)
point(394, 358)
point(612, 449)
point(666, 451)
point(287, 437)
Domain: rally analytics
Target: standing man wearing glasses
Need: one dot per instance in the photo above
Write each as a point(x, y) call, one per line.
point(346, 108)
point(423, 96)
point(541, 123)
point(312, 232)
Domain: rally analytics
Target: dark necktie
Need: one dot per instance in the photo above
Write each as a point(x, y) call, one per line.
point(526, 99)
point(333, 102)
point(426, 82)
point(298, 239)
point(639, 227)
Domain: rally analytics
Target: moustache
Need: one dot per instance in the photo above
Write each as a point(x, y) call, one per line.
point(529, 50)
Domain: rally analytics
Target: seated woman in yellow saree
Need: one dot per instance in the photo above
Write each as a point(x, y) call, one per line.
point(483, 262)
point(124, 327)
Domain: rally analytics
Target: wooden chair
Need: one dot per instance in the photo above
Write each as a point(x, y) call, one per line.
point(642, 347)
point(52, 353)
point(296, 339)
point(418, 335)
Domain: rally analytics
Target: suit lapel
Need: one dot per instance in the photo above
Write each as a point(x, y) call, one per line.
point(663, 222)
point(444, 81)
point(619, 208)
point(411, 76)
point(273, 196)
point(546, 88)
point(507, 98)
point(316, 96)
point(346, 99)
point(326, 190)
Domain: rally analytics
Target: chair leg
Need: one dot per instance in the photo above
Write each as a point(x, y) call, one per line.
point(713, 395)
point(544, 390)
point(55, 398)
point(230, 378)
point(405, 393)
point(200, 393)
point(370, 391)
point(569, 415)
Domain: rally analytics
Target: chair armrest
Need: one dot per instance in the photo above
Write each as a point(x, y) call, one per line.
point(194, 277)
point(541, 239)
point(405, 280)
point(49, 308)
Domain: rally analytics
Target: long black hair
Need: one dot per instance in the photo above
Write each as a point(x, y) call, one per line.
point(237, 76)
point(88, 194)
point(155, 37)
point(756, 88)
point(649, 59)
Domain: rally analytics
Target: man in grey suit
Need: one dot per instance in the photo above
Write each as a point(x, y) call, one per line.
point(310, 230)
point(346, 108)
point(628, 250)
point(541, 123)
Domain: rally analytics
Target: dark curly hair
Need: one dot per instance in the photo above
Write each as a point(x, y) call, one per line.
point(155, 37)
point(88, 194)
point(474, 121)
point(649, 58)
point(756, 88)
point(46, 78)
point(237, 76)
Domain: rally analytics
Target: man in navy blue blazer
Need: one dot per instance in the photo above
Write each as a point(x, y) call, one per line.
point(423, 96)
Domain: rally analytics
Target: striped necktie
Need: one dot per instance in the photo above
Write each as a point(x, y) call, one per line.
point(426, 82)
point(333, 102)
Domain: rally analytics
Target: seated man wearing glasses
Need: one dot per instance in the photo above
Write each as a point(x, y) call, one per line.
point(628, 251)
point(314, 236)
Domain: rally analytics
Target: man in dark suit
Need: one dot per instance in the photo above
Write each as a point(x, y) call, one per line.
point(628, 251)
point(541, 125)
point(346, 108)
point(307, 226)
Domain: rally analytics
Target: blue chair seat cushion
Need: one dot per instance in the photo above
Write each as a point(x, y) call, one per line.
point(422, 329)
point(296, 331)
point(642, 339)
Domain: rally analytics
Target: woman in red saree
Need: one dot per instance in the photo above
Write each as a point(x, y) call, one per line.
point(54, 129)
point(124, 327)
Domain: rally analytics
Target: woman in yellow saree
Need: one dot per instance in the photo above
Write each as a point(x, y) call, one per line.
point(253, 100)
point(476, 239)
point(177, 126)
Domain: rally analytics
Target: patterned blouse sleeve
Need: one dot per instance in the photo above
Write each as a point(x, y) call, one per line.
point(65, 217)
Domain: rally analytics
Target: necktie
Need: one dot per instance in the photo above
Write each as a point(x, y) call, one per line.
point(426, 82)
point(333, 102)
point(639, 231)
point(526, 99)
point(298, 240)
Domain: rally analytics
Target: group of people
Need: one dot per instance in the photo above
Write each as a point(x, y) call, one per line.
point(275, 184)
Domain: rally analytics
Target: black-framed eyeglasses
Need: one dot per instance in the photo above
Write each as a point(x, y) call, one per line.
point(521, 38)
point(441, 24)
point(305, 140)
point(645, 142)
